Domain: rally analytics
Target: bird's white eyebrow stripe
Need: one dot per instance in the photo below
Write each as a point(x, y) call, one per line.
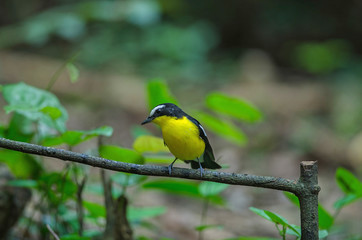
point(154, 110)
point(202, 129)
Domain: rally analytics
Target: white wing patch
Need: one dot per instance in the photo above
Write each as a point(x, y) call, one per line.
point(154, 110)
point(203, 129)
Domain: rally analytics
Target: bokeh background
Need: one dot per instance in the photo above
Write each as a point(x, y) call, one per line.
point(299, 62)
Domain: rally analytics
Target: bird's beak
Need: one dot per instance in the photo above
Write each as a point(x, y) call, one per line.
point(149, 119)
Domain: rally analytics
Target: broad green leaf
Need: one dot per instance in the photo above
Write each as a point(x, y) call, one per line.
point(322, 57)
point(137, 214)
point(74, 237)
point(292, 198)
point(345, 200)
point(252, 238)
point(207, 189)
point(201, 228)
point(106, 131)
point(20, 164)
point(151, 144)
point(270, 216)
point(273, 217)
point(143, 238)
point(73, 72)
point(20, 128)
point(348, 182)
point(73, 138)
point(223, 128)
point(234, 107)
point(31, 102)
point(127, 179)
point(325, 219)
point(120, 154)
point(186, 188)
point(158, 93)
point(294, 230)
point(277, 218)
point(95, 210)
point(27, 183)
point(322, 234)
point(53, 112)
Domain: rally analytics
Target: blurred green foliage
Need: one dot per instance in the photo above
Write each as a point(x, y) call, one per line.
point(180, 41)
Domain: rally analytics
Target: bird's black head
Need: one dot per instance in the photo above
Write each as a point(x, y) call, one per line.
point(164, 109)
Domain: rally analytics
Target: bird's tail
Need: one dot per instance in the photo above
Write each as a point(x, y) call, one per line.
point(209, 160)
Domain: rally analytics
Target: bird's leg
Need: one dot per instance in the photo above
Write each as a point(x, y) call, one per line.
point(201, 169)
point(170, 166)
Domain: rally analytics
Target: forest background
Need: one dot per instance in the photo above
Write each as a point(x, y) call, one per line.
point(297, 63)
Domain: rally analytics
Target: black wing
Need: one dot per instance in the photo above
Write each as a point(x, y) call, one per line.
point(209, 158)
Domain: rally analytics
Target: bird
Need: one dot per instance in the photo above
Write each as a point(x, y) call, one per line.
point(184, 136)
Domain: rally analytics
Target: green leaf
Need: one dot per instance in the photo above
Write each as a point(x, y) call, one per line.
point(53, 112)
point(27, 183)
point(73, 72)
point(234, 107)
point(73, 138)
point(222, 128)
point(144, 144)
point(273, 217)
point(120, 154)
point(325, 218)
point(74, 237)
point(207, 189)
point(347, 182)
point(20, 164)
point(106, 131)
point(294, 230)
point(181, 187)
point(292, 198)
point(20, 128)
point(137, 214)
point(345, 200)
point(322, 234)
point(31, 102)
point(322, 57)
point(127, 179)
point(158, 93)
point(252, 238)
point(95, 210)
point(201, 228)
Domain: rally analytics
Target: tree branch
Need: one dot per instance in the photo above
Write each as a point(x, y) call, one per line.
point(306, 188)
point(151, 170)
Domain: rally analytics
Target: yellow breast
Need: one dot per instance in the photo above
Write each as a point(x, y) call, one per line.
point(181, 137)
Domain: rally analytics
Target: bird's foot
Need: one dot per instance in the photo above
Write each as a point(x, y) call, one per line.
point(169, 169)
point(202, 171)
